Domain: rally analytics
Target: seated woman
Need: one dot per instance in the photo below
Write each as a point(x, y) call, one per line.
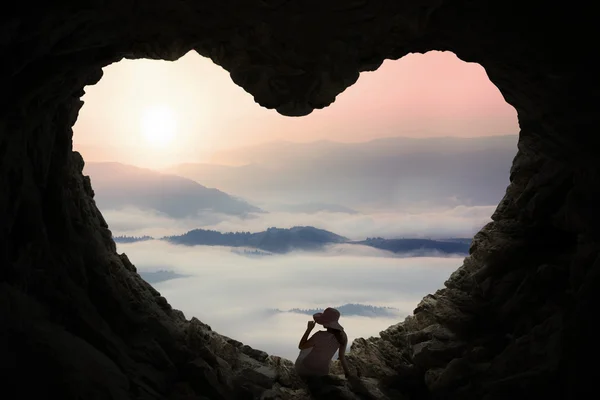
point(317, 352)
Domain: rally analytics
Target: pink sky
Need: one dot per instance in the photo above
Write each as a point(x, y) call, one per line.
point(428, 95)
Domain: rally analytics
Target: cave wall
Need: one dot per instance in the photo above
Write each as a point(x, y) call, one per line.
point(77, 321)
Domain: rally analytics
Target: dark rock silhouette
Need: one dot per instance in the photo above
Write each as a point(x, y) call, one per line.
point(515, 321)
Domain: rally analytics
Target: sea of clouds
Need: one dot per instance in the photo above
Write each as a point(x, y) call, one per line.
point(235, 294)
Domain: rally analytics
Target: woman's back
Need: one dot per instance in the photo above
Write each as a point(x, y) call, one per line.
point(321, 354)
point(317, 352)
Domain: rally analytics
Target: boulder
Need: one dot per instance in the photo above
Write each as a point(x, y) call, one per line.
point(435, 353)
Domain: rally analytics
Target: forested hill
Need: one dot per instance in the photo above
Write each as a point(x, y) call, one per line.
point(278, 240)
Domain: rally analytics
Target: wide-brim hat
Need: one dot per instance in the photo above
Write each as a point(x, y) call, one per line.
point(329, 318)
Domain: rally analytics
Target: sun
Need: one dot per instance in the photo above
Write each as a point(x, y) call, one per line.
point(158, 125)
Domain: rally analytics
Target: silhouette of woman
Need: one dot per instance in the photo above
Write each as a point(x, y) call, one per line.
point(317, 352)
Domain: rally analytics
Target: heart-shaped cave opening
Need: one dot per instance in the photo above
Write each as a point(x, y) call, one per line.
point(78, 321)
point(251, 222)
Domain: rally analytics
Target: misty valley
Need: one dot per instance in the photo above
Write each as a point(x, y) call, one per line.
point(266, 301)
point(274, 241)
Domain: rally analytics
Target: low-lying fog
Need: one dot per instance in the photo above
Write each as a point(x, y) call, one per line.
point(236, 294)
point(459, 221)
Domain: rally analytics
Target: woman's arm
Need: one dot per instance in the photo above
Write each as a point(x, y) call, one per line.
point(304, 342)
point(342, 356)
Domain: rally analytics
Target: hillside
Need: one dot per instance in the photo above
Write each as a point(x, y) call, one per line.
point(274, 240)
point(119, 186)
point(451, 246)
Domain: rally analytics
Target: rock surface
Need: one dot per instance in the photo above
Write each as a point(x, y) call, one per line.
point(515, 321)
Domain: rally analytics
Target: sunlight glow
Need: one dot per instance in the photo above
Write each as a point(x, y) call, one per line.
point(158, 125)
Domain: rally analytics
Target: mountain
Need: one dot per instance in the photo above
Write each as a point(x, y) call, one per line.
point(273, 240)
point(119, 186)
point(425, 246)
point(281, 152)
point(347, 310)
point(383, 173)
point(278, 240)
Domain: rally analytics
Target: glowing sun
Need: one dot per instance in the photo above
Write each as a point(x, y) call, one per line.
point(158, 125)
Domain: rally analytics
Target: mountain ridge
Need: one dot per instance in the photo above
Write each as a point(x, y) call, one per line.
point(285, 240)
point(384, 173)
point(382, 140)
point(119, 185)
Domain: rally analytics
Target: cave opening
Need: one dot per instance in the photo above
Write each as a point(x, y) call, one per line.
point(154, 134)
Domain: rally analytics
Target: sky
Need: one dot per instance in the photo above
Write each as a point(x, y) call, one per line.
point(158, 113)
point(233, 293)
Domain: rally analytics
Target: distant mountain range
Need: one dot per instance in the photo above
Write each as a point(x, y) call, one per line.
point(450, 246)
point(281, 241)
point(329, 177)
point(383, 173)
point(348, 310)
point(119, 186)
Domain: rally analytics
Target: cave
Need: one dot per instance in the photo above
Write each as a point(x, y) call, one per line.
point(515, 320)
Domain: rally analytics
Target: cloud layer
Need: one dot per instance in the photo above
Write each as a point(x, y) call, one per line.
point(233, 293)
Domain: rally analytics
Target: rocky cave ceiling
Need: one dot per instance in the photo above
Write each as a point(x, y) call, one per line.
point(517, 319)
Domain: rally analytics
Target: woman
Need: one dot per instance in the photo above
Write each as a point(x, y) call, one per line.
point(316, 353)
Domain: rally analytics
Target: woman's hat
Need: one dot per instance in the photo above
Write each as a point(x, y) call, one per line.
point(329, 318)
